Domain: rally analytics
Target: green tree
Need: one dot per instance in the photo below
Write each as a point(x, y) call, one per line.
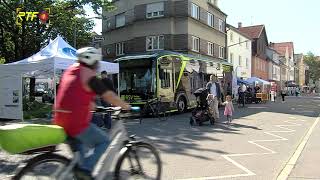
point(314, 66)
point(67, 17)
point(2, 60)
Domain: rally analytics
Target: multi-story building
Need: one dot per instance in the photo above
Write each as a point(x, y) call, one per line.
point(274, 65)
point(259, 38)
point(286, 50)
point(239, 52)
point(186, 26)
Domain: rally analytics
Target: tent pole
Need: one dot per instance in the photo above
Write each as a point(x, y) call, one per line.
point(54, 87)
point(21, 96)
point(118, 84)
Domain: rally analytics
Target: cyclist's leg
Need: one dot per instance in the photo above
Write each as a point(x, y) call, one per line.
point(92, 137)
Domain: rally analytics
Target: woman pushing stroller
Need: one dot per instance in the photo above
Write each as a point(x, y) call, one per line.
point(207, 103)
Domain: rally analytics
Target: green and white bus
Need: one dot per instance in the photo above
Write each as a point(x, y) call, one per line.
point(173, 76)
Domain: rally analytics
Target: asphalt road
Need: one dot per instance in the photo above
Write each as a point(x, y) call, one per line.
point(257, 145)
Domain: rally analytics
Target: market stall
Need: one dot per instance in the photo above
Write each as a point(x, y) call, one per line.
point(263, 94)
point(57, 55)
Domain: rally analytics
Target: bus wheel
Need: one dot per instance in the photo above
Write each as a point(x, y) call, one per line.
point(182, 105)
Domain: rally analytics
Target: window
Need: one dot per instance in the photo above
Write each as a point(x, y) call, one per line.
point(193, 83)
point(231, 36)
point(120, 20)
point(165, 78)
point(155, 43)
point(221, 25)
point(247, 63)
point(210, 48)
point(221, 52)
point(231, 58)
point(108, 23)
point(119, 49)
point(155, 10)
point(210, 20)
point(195, 44)
point(195, 11)
point(240, 61)
point(240, 43)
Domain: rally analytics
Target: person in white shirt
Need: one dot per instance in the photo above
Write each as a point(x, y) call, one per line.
point(242, 93)
point(214, 96)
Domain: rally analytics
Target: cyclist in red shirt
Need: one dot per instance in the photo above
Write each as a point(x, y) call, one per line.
point(75, 99)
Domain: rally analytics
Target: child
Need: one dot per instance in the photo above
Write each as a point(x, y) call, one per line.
point(228, 109)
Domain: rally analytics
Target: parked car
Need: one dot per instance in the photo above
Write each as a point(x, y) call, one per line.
point(48, 96)
point(39, 91)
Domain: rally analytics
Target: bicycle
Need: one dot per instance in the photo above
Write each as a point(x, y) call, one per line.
point(131, 153)
point(156, 108)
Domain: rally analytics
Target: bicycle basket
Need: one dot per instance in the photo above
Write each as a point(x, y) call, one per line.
point(18, 138)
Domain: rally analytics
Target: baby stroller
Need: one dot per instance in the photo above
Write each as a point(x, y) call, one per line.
point(201, 113)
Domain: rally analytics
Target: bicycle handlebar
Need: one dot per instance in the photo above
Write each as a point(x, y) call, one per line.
point(115, 109)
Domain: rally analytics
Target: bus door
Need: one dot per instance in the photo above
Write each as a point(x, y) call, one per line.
point(165, 81)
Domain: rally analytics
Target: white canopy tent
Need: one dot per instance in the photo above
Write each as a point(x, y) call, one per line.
point(58, 54)
point(253, 80)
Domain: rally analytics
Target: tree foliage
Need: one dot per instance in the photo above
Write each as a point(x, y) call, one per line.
point(67, 19)
point(314, 66)
point(2, 60)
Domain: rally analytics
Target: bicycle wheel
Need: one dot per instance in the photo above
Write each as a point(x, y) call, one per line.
point(161, 112)
point(141, 161)
point(45, 166)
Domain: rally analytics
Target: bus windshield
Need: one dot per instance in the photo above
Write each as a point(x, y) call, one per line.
point(137, 77)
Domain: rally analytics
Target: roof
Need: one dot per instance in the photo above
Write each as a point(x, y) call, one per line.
point(281, 47)
point(297, 57)
point(237, 30)
point(252, 31)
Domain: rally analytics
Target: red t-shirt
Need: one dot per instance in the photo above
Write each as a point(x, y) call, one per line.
point(74, 100)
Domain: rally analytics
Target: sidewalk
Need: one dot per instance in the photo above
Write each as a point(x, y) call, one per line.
point(307, 166)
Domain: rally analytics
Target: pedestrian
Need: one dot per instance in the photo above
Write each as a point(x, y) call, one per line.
point(214, 96)
point(107, 120)
point(228, 109)
point(229, 89)
point(242, 94)
point(283, 94)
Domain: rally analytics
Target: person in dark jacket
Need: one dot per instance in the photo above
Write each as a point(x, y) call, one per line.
point(109, 83)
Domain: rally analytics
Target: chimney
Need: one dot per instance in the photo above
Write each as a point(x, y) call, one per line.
point(239, 24)
point(271, 44)
point(216, 3)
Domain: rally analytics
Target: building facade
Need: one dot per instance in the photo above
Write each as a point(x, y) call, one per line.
point(186, 26)
point(274, 65)
point(286, 50)
point(301, 66)
point(239, 52)
point(259, 65)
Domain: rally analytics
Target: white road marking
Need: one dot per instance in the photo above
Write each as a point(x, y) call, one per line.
point(293, 160)
point(254, 142)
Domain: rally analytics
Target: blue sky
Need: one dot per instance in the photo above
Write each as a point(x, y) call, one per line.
point(285, 20)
